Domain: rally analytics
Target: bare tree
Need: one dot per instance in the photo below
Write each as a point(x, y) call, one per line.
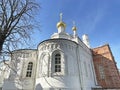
point(16, 22)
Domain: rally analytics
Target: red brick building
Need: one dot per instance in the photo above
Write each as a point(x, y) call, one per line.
point(105, 67)
point(119, 71)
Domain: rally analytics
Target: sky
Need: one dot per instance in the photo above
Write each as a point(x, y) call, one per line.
point(100, 19)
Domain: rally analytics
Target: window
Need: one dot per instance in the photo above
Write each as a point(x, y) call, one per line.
point(29, 69)
point(57, 63)
point(101, 71)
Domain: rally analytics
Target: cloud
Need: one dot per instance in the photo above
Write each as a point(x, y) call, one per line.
point(94, 17)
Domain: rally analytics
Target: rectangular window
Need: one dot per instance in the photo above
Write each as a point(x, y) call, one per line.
point(29, 69)
point(101, 71)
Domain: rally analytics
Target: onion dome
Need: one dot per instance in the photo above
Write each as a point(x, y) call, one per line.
point(61, 23)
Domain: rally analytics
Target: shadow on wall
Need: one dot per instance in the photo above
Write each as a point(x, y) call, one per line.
point(38, 87)
point(12, 85)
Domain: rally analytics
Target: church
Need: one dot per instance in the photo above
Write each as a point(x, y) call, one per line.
point(63, 62)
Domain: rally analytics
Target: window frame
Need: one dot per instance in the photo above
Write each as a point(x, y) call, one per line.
point(101, 71)
point(62, 58)
point(29, 69)
point(57, 63)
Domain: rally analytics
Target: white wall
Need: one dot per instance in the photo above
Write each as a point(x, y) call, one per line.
point(4, 71)
point(18, 66)
point(77, 69)
point(75, 58)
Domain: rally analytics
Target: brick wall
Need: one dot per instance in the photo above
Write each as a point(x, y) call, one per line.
point(105, 67)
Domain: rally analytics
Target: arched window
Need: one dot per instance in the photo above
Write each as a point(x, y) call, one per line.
point(57, 63)
point(29, 69)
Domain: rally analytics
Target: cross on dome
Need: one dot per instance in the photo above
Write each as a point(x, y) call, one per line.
point(61, 16)
point(74, 28)
point(73, 23)
point(61, 23)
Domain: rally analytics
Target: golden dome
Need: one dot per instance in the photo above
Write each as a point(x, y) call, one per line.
point(61, 24)
point(74, 28)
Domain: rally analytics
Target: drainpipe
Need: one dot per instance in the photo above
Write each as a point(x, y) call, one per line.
point(79, 66)
point(35, 70)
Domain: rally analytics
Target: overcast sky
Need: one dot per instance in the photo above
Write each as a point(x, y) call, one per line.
point(100, 19)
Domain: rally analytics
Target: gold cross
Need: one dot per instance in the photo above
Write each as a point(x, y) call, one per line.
point(61, 16)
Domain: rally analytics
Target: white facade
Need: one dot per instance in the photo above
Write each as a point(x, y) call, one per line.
point(4, 72)
point(63, 62)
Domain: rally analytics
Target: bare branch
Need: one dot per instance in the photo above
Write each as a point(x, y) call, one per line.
point(16, 18)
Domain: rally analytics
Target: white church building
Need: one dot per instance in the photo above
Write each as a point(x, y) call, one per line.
point(63, 62)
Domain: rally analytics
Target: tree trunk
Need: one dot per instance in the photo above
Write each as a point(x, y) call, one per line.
point(1, 44)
